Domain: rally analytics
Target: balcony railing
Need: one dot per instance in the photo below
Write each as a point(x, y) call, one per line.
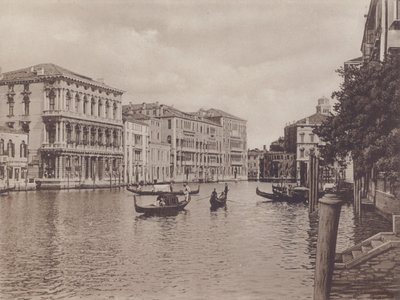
point(72, 114)
point(87, 147)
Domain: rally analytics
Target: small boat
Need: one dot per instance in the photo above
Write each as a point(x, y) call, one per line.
point(296, 194)
point(136, 190)
point(218, 201)
point(5, 190)
point(171, 205)
point(265, 195)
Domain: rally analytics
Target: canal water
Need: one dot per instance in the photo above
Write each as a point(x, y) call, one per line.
point(93, 245)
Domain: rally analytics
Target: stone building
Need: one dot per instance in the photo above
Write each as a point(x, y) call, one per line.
point(234, 142)
point(74, 124)
point(195, 142)
point(160, 154)
point(253, 161)
point(300, 139)
point(136, 148)
point(278, 166)
point(14, 159)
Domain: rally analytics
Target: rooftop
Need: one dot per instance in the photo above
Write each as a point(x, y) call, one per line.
point(49, 70)
point(315, 119)
point(213, 112)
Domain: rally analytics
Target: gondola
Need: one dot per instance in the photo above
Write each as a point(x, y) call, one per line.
point(171, 205)
point(156, 193)
point(218, 201)
point(270, 196)
point(292, 195)
point(6, 190)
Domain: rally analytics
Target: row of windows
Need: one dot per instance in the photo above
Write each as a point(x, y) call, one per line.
point(9, 148)
point(86, 107)
point(311, 135)
point(193, 126)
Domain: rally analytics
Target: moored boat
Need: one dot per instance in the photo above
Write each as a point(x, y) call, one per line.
point(292, 194)
point(138, 191)
point(5, 190)
point(170, 204)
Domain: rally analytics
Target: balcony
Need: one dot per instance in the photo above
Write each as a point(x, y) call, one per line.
point(75, 115)
point(81, 147)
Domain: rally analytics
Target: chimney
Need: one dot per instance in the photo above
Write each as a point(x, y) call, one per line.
point(101, 80)
point(264, 147)
point(1, 74)
point(307, 120)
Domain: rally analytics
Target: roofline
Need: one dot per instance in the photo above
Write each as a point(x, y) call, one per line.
point(43, 77)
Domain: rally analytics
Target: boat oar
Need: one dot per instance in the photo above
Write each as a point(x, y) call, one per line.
point(203, 198)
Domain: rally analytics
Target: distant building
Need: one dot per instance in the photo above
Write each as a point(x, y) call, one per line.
point(234, 142)
point(74, 124)
point(194, 142)
point(13, 158)
point(160, 153)
point(254, 156)
point(279, 165)
point(136, 148)
point(300, 139)
point(278, 145)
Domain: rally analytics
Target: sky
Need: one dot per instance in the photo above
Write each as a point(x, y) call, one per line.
point(265, 61)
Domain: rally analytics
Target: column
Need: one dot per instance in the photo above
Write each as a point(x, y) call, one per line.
point(56, 167)
point(57, 133)
point(44, 134)
point(45, 100)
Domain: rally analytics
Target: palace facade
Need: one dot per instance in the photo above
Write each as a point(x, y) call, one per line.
point(74, 125)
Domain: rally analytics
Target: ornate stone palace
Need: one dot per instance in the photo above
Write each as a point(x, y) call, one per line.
point(74, 125)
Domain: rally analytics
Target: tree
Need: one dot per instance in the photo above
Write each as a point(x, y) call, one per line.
point(366, 121)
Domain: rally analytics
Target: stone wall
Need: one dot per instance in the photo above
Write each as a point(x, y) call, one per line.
point(378, 278)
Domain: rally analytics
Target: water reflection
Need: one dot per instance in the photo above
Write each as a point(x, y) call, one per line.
point(92, 245)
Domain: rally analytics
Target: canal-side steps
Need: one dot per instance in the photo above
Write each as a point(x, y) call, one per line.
point(366, 250)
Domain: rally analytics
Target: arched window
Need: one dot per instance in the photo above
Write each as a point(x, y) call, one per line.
point(23, 150)
point(69, 133)
point(77, 134)
point(169, 139)
point(115, 111)
point(92, 107)
point(52, 100)
point(85, 135)
point(107, 109)
point(77, 102)
point(115, 139)
point(68, 101)
point(99, 107)
point(26, 102)
point(85, 104)
point(10, 149)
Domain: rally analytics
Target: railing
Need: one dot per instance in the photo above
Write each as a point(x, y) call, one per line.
point(81, 147)
point(80, 116)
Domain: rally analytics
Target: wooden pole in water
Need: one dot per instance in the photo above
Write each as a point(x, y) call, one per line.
point(329, 213)
point(311, 202)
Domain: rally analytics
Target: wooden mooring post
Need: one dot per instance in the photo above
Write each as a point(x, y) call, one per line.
point(329, 213)
point(313, 180)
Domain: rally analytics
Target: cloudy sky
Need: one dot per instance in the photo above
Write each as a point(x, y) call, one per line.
point(266, 61)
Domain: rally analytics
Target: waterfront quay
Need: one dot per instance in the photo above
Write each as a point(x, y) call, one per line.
point(91, 244)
